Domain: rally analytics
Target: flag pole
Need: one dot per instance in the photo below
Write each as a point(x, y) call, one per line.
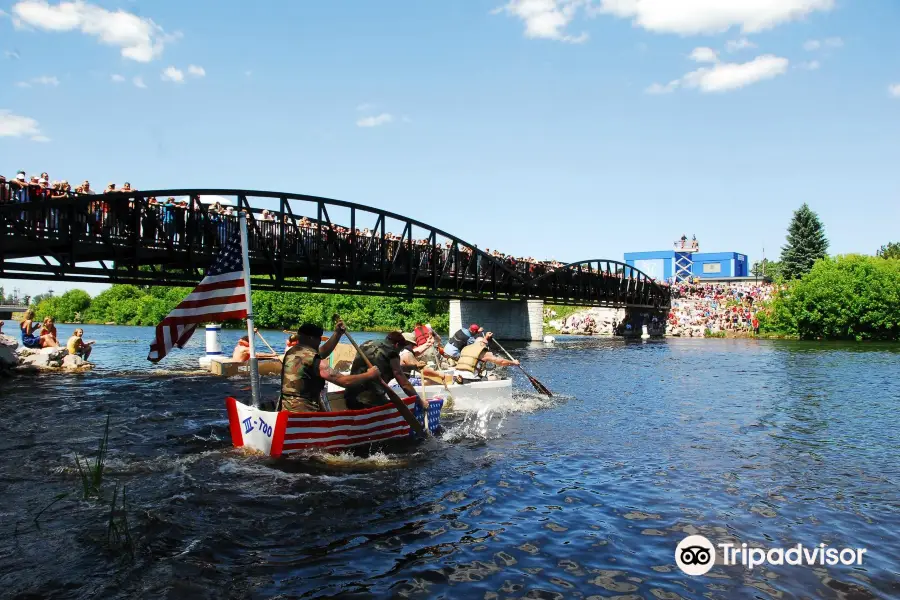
point(254, 363)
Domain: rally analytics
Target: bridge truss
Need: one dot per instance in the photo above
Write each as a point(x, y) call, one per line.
point(301, 243)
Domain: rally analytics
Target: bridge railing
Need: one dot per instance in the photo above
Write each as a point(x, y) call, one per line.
point(308, 243)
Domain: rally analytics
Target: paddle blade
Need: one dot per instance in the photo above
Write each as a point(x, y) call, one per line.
point(540, 387)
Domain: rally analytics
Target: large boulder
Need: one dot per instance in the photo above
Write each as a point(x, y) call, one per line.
point(55, 354)
point(8, 341)
point(8, 358)
point(36, 360)
point(73, 362)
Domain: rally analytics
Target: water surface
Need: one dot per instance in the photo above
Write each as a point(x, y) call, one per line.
point(584, 495)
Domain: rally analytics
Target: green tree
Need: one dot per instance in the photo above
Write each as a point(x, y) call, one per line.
point(806, 243)
point(68, 308)
point(770, 269)
point(889, 250)
point(36, 300)
point(849, 297)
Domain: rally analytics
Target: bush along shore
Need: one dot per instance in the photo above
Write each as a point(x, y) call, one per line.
point(147, 306)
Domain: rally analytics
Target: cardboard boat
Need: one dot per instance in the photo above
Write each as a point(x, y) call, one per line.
point(281, 433)
point(228, 367)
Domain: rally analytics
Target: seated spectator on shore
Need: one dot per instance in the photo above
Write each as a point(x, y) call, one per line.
point(242, 351)
point(29, 339)
point(2, 323)
point(49, 329)
point(110, 188)
point(78, 347)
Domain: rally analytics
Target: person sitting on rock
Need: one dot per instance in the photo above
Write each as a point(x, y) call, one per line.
point(49, 329)
point(29, 339)
point(78, 347)
point(242, 351)
point(2, 323)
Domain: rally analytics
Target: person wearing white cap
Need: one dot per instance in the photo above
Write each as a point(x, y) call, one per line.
point(19, 187)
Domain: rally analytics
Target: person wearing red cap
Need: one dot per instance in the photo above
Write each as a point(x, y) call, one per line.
point(463, 338)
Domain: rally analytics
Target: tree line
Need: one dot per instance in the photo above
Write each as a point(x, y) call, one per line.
point(851, 297)
point(134, 305)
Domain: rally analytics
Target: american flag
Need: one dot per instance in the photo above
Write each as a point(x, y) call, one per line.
point(344, 429)
point(219, 297)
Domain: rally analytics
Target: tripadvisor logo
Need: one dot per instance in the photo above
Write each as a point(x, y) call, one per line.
point(696, 555)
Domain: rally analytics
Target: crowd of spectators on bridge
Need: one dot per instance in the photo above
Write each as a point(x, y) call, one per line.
point(700, 309)
point(169, 220)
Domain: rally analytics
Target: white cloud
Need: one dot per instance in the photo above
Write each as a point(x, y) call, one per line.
point(196, 71)
point(832, 42)
point(688, 17)
point(11, 54)
point(724, 77)
point(739, 44)
point(117, 78)
point(382, 119)
point(365, 106)
point(894, 90)
point(812, 65)
point(139, 82)
point(546, 19)
point(658, 88)
point(13, 125)
point(173, 74)
point(40, 138)
point(248, 73)
point(42, 80)
point(707, 55)
point(139, 38)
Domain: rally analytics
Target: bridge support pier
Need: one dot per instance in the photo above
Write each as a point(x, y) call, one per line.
point(509, 320)
point(638, 317)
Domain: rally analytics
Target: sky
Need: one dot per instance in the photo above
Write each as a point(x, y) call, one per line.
point(565, 129)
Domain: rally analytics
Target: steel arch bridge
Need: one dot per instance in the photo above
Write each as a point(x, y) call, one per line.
point(307, 243)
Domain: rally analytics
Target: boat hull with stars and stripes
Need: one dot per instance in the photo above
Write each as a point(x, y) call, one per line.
point(282, 433)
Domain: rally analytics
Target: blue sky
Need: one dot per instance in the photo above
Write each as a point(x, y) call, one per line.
point(567, 129)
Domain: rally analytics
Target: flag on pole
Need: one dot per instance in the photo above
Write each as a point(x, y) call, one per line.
point(220, 296)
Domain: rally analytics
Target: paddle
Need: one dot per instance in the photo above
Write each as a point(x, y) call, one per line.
point(392, 395)
point(540, 387)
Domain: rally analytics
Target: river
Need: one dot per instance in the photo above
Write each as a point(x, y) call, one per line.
point(586, 494)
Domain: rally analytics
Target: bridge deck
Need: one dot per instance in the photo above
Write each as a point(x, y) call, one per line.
point(126, 238)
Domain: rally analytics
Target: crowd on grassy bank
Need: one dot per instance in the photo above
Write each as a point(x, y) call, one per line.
point(714, 309)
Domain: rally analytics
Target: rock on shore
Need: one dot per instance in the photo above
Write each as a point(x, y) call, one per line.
point(38, 359)
point(8, 358)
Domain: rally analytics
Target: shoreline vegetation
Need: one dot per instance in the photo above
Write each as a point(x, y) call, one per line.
point(147, 306)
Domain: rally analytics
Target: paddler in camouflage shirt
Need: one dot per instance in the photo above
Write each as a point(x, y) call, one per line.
point(385, 356)
point(305, 373)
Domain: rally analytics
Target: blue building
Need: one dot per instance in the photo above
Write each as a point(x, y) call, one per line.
point(687, 261)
